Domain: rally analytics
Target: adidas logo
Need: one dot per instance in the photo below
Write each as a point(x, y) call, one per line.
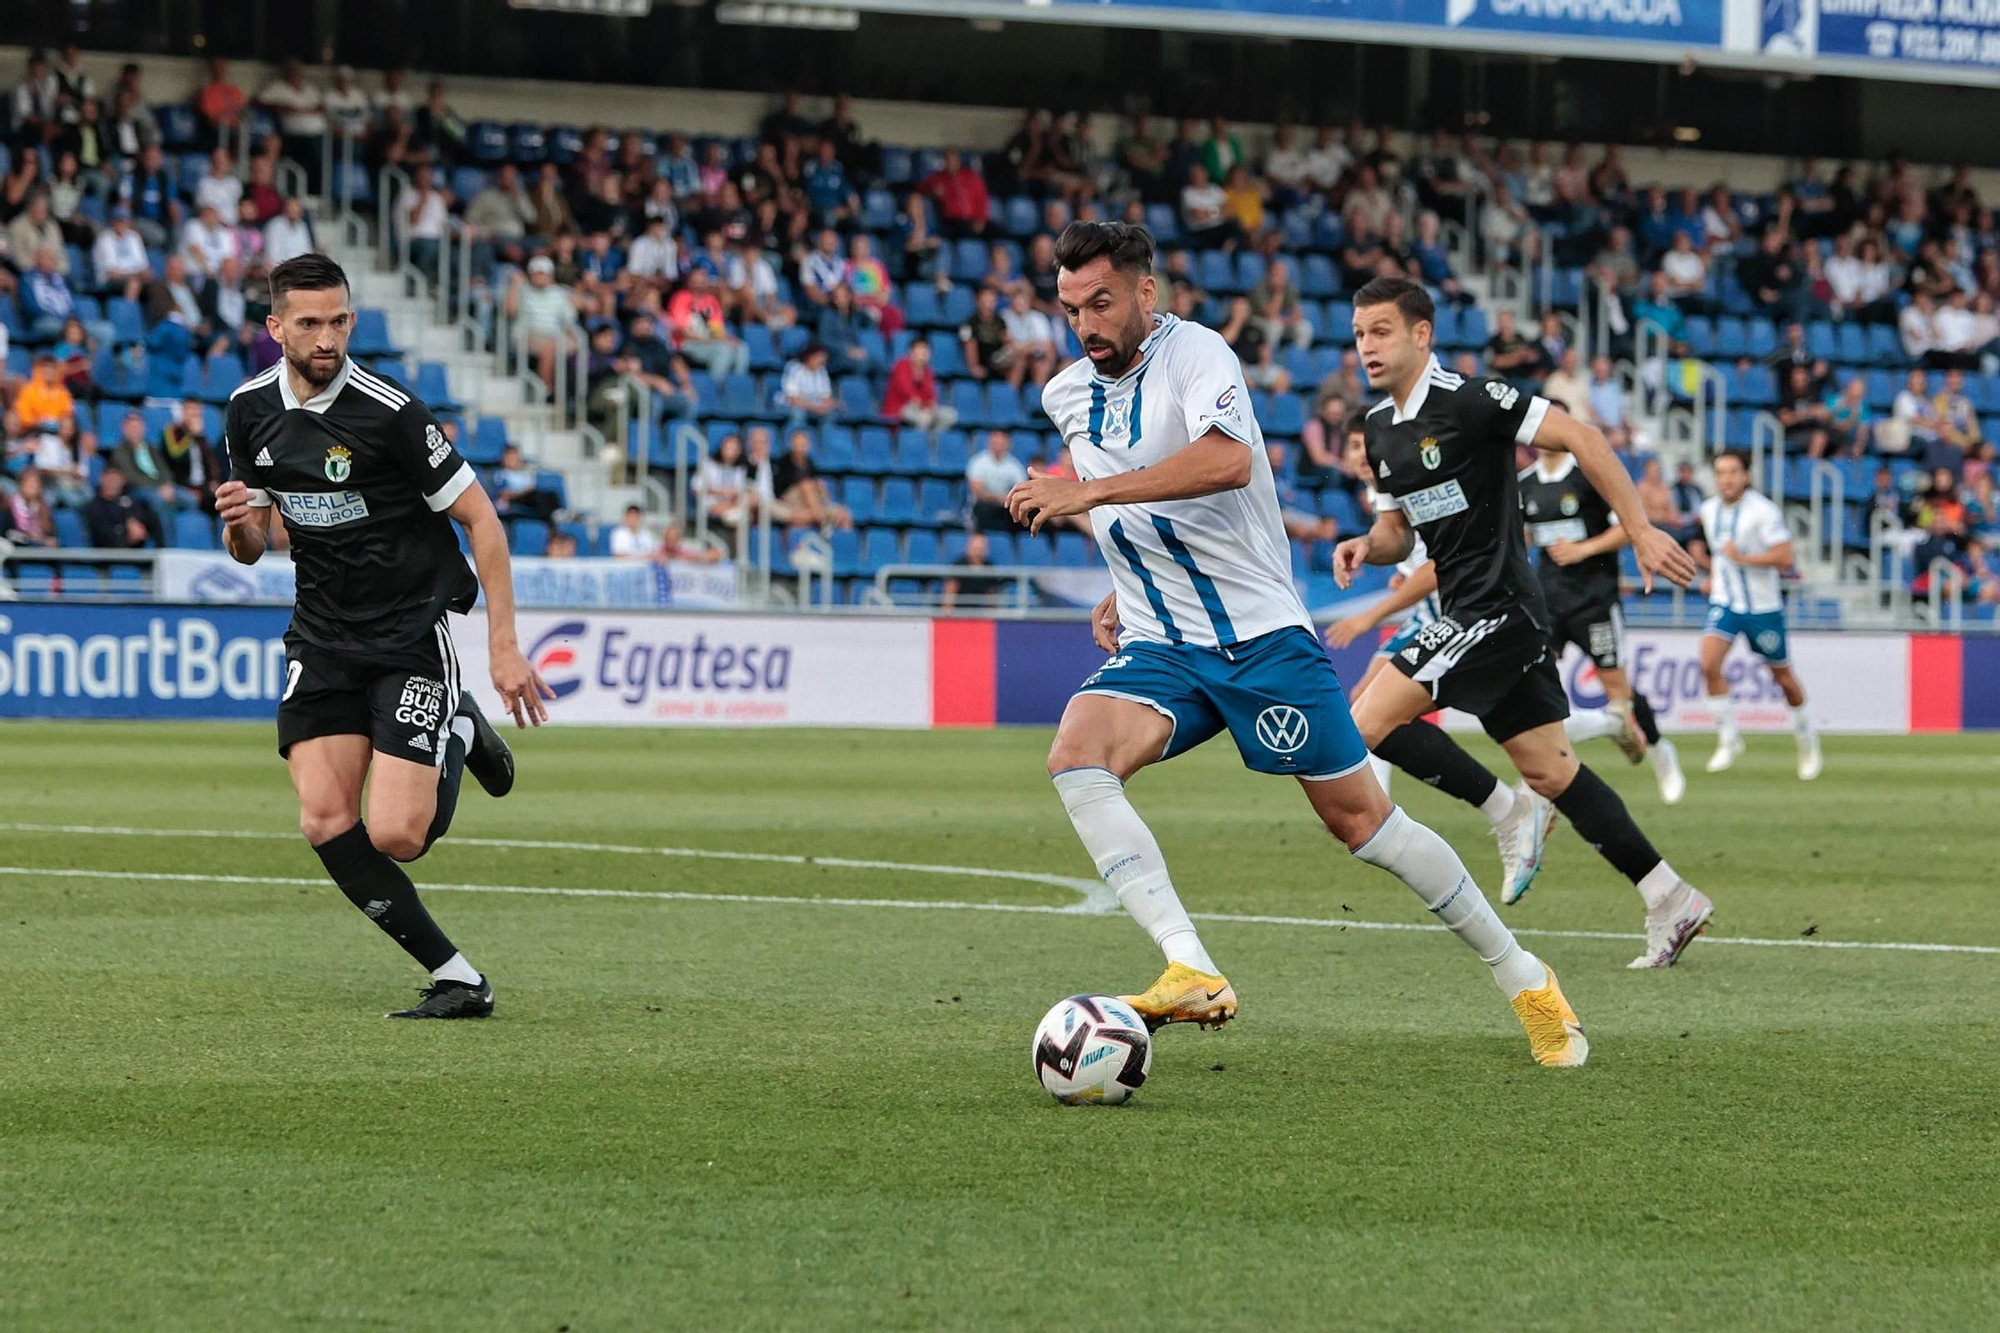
point(1410, 653)
point(1383, 469)
point(375, 908)
point(264, 458)
point(421, 742)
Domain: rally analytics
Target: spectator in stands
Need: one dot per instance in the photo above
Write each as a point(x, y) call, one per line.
point(1566, 385)
point(1368, 205)
point(517, 489)
point(1802, 411)
point(1958, 420)
point(1554, 342)
point(1344, 380)
point(1512, 355)
point(66, 191)
point(1958, 336)
point(1918, 327)
point(960, 194)
point(1657, 498)
point(912, 395)
point(300, 109)
point(224, 305)
point(130, 126)
point(1143, 158)
point(806, 391)
point(1915, 417)
point(723, 486)
point(629, 540)
point(33, 230)
point(1792, 351)
point(545, 315)
point(425, 213)
point(1264, 372)
point(1774, 280)
point(1243, 332)
point(695, 315)
point(219, 104)
point(980, 589)
point(144, 464)
point(219, 188)
point(839, 331)
point(44, 402)
point(659, 368)
point(46, 300)
point(205, 242)
point(1982, 506)
point(1274, 301)
point(74, 351)
point(1302, 522)
point(346, 106)
point(120, 522)
point(989, 477)
point(1203, 217)
point(1686, 271)
point(30, 520)
point(62, 454)
point(802, 492)
point(192, 460)
point(1324, 440)
point(501, 213)
point(1328, 159)
point(988, 348)
point(655, 256)
point(438, 130)
point(753, 281)
point(290, 234)
point(868, 279)
point(174, 297)
point(1361, 255)
point(1848, 418)
point(552, 216)
point(1030, 334)
point(824, 269)
point(1243, 201)
point(916, 242)
point(1510, 237)
point(1432, 256)
point(1039, 272)
point(249, 236)
point(1688, 493)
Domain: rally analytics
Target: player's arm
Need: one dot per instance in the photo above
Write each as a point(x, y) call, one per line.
point(1413, 590)
point(1657, 552)
point(1388, 542)
point(1216, 462)
point(521, 690)
point(242, 502)
point(1777, 552)
point(1611, 539)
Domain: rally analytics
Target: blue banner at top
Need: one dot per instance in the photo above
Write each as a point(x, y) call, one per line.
point(1690, 23)
point(1906, 32)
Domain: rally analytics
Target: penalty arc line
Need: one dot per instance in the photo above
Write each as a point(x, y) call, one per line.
point(940, 905)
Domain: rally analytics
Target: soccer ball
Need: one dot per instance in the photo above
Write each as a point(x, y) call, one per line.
point(1092, 1049)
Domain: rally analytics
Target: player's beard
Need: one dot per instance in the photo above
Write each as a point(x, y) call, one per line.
point(319, 374)
point(1127, 349)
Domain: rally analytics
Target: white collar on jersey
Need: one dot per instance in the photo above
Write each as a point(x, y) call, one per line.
point(1162, 324)
point(322, 400)
point(1433, 374)
point(1562, 469)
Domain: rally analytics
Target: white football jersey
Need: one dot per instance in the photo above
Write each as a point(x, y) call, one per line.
point(1756, 526)
point(1212, 571)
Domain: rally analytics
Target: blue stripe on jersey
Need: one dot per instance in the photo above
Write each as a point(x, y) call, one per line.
point(1742, 579)
point(1153, 598)
point(1204, 586)
point(1138, 418)
point(1097, 415)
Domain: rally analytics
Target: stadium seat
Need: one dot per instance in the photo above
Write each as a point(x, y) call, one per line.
point(835, 450)
point(192, 531)
point(913, 454)
point(1033, 551)
point(898, 504)
point(1021, 218)
point(70, 529)
point(1763, 337)
point(1073, 550)
point(371, 335)
point(921, 547)
point(880, 548)
point(433, 386)
point(936, 504)
point(877, 450)
point(858, 401)
point(528, 536)
point(489, 441)
point(947, 356)
point(858, 494)
point(489, 144)
point(762, 348)
point(921, 307)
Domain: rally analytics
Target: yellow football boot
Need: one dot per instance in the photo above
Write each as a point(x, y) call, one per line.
point(1553, 1033)
point(1183, 995)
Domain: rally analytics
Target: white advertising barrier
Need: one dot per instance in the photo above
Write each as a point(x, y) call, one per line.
point(1855, 683)
point(211, 576)
point(638, 669)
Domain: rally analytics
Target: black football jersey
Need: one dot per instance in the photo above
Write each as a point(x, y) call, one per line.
point(362, 474)
point(1448, 463)
point(1565, 507)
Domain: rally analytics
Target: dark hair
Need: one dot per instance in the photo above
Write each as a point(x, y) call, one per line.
point(1129, 248)
point(1357, 420)
point(305, 273)
point(1742, 456)
point(1408, 297)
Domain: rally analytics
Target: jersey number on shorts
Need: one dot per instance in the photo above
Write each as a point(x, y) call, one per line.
point(1110, 664)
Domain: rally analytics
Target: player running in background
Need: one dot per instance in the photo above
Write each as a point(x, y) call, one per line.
point(1577, 537)
point(1207, 633)
point(1441, 447)
point(369, 487)
point(1749, 547)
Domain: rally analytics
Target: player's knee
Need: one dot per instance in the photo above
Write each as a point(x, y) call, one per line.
point(1067, 753)
point(323, 823)
point(1548, 772)
point(396, 843)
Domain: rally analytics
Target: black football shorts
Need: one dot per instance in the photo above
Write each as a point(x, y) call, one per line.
point(402, 700)
point(1598, 630)
point(1497, 668)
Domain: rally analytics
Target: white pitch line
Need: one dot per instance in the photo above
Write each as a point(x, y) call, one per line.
point(929, 905)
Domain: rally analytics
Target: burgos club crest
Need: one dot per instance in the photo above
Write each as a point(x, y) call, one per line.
point(338, 458)
point(1429, 452)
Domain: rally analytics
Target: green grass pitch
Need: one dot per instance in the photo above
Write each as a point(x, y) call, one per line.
point(743, 1114)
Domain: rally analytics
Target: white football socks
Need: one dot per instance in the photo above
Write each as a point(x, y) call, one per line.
point(1498, 806)
point(457, 969)
point(1725, 716)
point(1802, 721)
point(1658, 885)
point(461, 727)
point(1128, 857)
point(1426, 862)
point(1592, 724)
point(1383, 771)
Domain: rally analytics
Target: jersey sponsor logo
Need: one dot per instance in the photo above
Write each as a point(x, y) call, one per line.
point(422, 704)
point(1227, 401)
point(1435, 502)
point(1556, 530)
point(1283, 729)
point(439, 446)
point(263, 458)
point(1603, 636)
point(1504, 394)
point(339, 462)
point(322, 509)
point(1430, 453)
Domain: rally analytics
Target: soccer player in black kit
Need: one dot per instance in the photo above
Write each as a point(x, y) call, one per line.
point(369, 488)
point(1576, 537)
point(1441, 448)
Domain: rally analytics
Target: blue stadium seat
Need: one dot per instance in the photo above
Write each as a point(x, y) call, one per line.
point(947, 356)
point(528, 536)
point(898, 502)
point(846, 545)
point(1164, 223)
point(999, 549)
point(220, 376)
point(762, 348)
point(880, 548)
point(1021, 219)
point(565, 143)
point(835, 449)
point(1885, 346)
point(70, 529)
point(489, 145)
point(192, 531)
point(1214, 272)
point(858, 401)
point(952, 454)
point(489, 441)
point(433, 386)
point(877, 454)
point(1700, 335)
point(897, 168)
point(1732, 337)
point(739, 397)
point(858, 494)
point(1034, 552)
point(126, 580)
point(1822, 341)
point(970, 404)
point(371, 335)
point(921, 308)
point(1073, 550)
point(913, 454)
point(1003, 404)
point(1763, 336)
point(1851, 342)
point(1317, 277)
point(921, 547)
point(528, 144)
point(936, 504)
point(878, 210)
point(1250, 268)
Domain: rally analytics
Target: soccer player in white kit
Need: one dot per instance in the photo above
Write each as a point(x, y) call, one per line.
point(1207, 634)
point(1749, 548)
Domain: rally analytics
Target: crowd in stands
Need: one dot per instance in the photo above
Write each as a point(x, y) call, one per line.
point(808, 284)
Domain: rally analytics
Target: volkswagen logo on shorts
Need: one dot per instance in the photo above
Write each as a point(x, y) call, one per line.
point(1282, 728)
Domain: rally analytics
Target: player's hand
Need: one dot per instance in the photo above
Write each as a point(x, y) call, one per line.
point(522, 691)
point(1343, 632)
point(1729, 551)
point(1565, 553)
point(232, 502)
point(1043, 497)
point(1348, 558)
point(1660, 554)
point(1104, 624)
